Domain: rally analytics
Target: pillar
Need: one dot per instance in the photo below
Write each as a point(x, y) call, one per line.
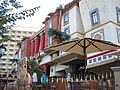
point(117, 77)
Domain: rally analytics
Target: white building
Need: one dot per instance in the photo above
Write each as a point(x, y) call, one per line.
point(101, 20)
point(93, 19)
point(17, 33)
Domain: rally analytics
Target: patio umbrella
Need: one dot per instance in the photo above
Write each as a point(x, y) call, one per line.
point(84, 46)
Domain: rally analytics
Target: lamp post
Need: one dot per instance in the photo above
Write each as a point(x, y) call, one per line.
point(2, 50)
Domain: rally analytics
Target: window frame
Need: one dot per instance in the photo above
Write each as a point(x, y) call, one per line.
point(64, 18)
point(90, 61)
point(104, 57)
point(96, 19)
point(49, 37)
point(99, 58)
point(118, 14)
point(94, 60)
point(67, 29)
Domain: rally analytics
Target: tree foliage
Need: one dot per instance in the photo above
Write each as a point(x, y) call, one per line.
point(31, 67)
point(34, 66)
point(58, 34)
point(8, 17)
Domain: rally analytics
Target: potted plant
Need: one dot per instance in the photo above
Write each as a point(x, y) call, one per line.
point(57, 36)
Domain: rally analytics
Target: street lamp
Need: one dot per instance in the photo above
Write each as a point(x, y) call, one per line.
point(2, 50)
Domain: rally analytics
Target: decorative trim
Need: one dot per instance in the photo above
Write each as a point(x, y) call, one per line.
point(95, 27)
point(98, 34)
point(77, 33)
point(118, 24)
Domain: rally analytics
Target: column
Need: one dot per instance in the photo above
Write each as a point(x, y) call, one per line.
point(117, 77)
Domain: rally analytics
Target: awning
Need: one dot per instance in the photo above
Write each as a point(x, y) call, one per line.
point(69, 57)
point(46, 61)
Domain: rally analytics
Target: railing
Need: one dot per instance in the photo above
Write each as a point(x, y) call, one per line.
point(99, 83)
point(58, 83)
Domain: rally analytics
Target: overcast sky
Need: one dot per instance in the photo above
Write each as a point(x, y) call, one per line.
point(46, 6)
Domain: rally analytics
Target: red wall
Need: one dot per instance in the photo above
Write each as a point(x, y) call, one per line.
point(42, 42)
point(55, 21)
point(27, 47)
point(32, 47)
point(46, 34)
point(37, 42)
point(55, 25)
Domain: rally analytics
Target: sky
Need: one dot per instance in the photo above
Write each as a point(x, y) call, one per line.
point(46, 6)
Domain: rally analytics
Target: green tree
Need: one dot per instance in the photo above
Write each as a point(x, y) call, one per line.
point(33, 65)
point(8, 17)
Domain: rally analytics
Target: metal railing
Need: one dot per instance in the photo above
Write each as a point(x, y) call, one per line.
point(57, 83)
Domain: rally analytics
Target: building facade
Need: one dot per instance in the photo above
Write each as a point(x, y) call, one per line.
point(11, 48)
point(85, 18)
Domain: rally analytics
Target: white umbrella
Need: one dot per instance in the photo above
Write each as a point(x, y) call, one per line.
point(84, 46)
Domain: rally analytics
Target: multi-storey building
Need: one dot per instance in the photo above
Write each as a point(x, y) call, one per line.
point(12, 47)
point(85, 18)
point(101, 21)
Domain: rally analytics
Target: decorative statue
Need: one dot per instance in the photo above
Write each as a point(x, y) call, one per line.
point(23, 80)
point(69, 71)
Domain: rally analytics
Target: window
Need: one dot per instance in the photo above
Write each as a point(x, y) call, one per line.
point(67, 30)
point(94, 15)
point(118, 34)
point(50, 24)
point(66, 18)
point(50, 40)
point(94, 60)
point(22, 46)
point(99, 58)
point(22, 56)
point(109, 56)
point(90, 61)
point(104, 56)
point(118, 14)
point(50, 37)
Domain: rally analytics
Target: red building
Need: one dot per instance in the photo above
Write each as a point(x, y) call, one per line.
point(53, 21)
point(34, 46)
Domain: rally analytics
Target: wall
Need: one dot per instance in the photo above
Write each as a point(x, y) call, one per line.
point(75, 23)
point(107, 13)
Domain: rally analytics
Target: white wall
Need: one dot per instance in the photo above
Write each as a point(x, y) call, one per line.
point(55, 70)
point(107, 12)
point(46, 59)
point(75, 22)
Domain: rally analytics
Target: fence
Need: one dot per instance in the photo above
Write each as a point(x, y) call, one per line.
point(95, 83)
point(58, 84)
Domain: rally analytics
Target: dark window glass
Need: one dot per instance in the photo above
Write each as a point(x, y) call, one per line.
point(109, 56)
point(67, 30)
point(66, 18)
point(104, 56)
point(50, 38)
point(99, 58)
point(95, 17)
point(90, 61)
point(94, 60)
point(118, 14)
